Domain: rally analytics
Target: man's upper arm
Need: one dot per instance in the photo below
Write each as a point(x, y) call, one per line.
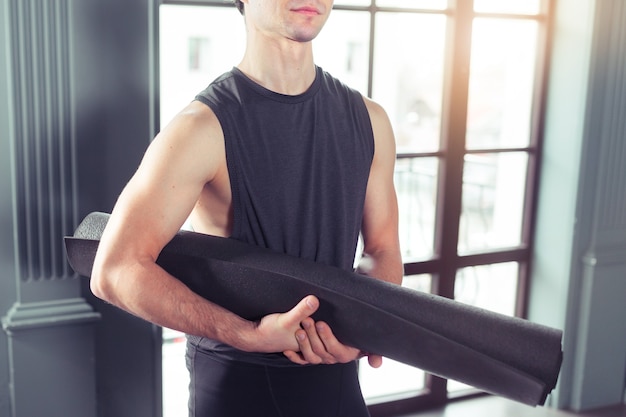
point(162, 192)
point(380, 216)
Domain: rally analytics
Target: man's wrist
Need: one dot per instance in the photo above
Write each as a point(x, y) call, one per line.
point(243, 335)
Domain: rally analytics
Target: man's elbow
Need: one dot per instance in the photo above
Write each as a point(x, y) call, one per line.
point(101, 283)
point(384, 265)
point(398, 275)
point(98, 285)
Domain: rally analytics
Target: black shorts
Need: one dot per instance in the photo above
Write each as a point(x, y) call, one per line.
point(226, 388)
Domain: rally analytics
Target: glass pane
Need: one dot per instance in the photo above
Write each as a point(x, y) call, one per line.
point(416, 186)
point(408, 76)
point(501, 83)
point(342, 47)
point(492, 287)
point(197, 44)
point(353, 2)
point(175, 375)
point(508, 6)
point(420, 282)
point(394, 378)
point(493, 200)
point(414, 4)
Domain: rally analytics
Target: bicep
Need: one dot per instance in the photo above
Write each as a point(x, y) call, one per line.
point(380, 222)
point(381, 251)
point(159, 197)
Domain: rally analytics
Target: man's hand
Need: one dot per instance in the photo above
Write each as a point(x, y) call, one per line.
point(318, 345)
point(302, 340)
point(275, 332)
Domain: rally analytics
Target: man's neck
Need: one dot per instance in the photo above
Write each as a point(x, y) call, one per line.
point(283, 66)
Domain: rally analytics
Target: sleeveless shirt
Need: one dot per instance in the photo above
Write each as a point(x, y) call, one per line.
point(298, 168)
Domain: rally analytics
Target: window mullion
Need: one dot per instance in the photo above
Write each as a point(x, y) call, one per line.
point(456, 87)
point(370, 78)
point(530, 201)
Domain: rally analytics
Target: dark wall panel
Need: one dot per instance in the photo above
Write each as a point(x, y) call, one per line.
point(77, 87)
point(114, 88)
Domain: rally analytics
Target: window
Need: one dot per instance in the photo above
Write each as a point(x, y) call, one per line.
point(462, 82)
point(199, 54)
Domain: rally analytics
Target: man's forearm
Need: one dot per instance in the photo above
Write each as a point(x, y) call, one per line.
point(147, 291)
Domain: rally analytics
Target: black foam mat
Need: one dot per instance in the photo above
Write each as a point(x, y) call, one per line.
point(502, 355)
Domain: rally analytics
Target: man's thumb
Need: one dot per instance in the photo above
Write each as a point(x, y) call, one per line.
point(307, 306)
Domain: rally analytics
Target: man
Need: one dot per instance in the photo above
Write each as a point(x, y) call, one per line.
point(277, 153)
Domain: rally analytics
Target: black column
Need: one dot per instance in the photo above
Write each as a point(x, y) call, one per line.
point(77, 110)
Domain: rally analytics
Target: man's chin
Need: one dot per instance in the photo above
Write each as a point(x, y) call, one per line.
point(304, 37)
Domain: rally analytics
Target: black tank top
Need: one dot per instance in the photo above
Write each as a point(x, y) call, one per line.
point(298, 167)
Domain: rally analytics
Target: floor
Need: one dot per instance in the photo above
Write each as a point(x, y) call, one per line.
point(498, 407)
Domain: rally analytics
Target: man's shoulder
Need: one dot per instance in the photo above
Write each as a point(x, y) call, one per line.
point(336, 83)
point(342, 93)
point(196, 119)
point(198, 113)
point(223, 88)
point(374, 108)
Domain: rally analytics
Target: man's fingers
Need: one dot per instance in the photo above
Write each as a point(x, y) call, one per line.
point(316, 341)
point(311, 346)
point(307, 306)
point(375, 361)
point(338, 351)
point(295, 357)
point(306, 350)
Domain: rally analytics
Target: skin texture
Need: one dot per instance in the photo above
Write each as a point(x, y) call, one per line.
point(186, 164)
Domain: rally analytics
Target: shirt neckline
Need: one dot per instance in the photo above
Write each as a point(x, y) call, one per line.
point(285, 98)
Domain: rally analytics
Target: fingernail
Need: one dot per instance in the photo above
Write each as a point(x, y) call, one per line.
point(310, 303)
point(300, 336)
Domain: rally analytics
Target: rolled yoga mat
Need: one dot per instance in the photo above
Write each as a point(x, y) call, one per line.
point(502, 355)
